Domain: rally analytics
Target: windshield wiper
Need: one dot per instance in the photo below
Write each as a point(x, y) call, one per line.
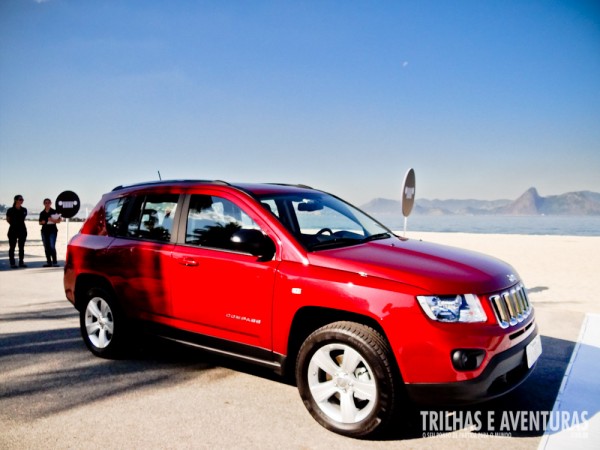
point(375, 237)
point(343, 242)
point(337, 242)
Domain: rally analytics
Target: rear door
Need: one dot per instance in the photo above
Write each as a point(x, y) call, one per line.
point(215, 290)
point(140, 253)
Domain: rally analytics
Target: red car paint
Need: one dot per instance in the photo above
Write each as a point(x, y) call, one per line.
point(262, 308)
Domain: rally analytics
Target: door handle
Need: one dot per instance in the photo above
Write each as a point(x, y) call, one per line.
point(188, 262)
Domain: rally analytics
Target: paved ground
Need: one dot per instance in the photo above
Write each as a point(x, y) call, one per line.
point(579, 394)
point(55, 394)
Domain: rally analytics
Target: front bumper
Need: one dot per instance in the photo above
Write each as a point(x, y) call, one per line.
point(504, 372)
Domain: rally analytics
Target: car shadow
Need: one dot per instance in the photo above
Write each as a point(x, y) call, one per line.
point(51, 370)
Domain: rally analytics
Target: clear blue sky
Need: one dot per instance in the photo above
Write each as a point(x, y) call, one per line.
point(484, 99)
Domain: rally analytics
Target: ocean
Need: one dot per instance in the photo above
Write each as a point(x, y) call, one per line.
point(533, 225)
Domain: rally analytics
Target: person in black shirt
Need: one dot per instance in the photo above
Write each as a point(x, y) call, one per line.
point(48, 220)
point(17, 231)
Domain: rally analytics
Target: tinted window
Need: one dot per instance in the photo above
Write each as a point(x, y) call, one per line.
point(114, 211)
point(152, 217)
point(212, 221)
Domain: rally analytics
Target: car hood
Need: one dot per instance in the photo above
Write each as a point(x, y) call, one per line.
point(438, 269)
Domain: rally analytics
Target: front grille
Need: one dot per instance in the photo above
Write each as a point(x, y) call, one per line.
point(511, 306)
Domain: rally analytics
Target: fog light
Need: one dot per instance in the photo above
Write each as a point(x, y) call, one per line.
point(467, 359)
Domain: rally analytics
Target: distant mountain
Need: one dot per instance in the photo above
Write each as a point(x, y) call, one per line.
point(382, 206)
point(463, 206)
point(581, 203)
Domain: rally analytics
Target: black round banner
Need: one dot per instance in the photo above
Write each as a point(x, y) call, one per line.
point(67, 204)
point(408, 193)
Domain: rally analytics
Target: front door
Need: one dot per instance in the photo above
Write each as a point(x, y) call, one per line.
point(216, 291)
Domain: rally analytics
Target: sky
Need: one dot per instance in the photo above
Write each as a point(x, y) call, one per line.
point(483, 98)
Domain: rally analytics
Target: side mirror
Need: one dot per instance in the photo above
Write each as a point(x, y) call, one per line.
point(254, 242)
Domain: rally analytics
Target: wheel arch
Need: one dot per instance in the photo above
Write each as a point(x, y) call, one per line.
point(85, 282)
point(310, 318)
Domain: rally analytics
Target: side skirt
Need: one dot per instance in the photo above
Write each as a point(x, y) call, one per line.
point(243, 352)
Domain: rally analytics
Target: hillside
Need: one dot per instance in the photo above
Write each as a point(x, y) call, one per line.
point(581, 203)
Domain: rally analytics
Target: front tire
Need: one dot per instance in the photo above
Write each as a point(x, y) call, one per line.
point(346, 379)
point(102, 325)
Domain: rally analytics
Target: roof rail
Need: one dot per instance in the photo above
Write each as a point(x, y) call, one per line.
point(166, 182)
point(292, 185)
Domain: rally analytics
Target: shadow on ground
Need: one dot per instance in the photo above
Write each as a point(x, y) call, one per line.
point(50, 370)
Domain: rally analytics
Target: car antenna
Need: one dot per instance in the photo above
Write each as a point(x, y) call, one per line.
point(159, 177)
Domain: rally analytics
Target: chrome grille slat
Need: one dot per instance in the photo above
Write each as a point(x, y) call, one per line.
point(511, 306)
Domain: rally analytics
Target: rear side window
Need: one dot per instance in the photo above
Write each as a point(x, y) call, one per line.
point(114, 211)
point(151, 217)
point(212, 221)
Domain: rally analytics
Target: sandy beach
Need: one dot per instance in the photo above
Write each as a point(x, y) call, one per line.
point(34, 250)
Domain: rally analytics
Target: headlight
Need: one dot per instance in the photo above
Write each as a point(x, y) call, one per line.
point(453, 308)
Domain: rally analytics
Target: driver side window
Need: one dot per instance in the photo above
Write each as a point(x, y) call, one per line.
point(212, 221)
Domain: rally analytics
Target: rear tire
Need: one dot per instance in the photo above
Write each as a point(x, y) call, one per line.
point(102, 325)
point(345, 377)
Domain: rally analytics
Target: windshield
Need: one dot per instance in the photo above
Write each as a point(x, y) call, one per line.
point(321, 221)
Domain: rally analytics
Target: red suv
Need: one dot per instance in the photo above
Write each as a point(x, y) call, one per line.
point(295, 279)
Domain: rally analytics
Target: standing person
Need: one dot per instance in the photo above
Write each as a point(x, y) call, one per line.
point(48, 221)
point(17, 231)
